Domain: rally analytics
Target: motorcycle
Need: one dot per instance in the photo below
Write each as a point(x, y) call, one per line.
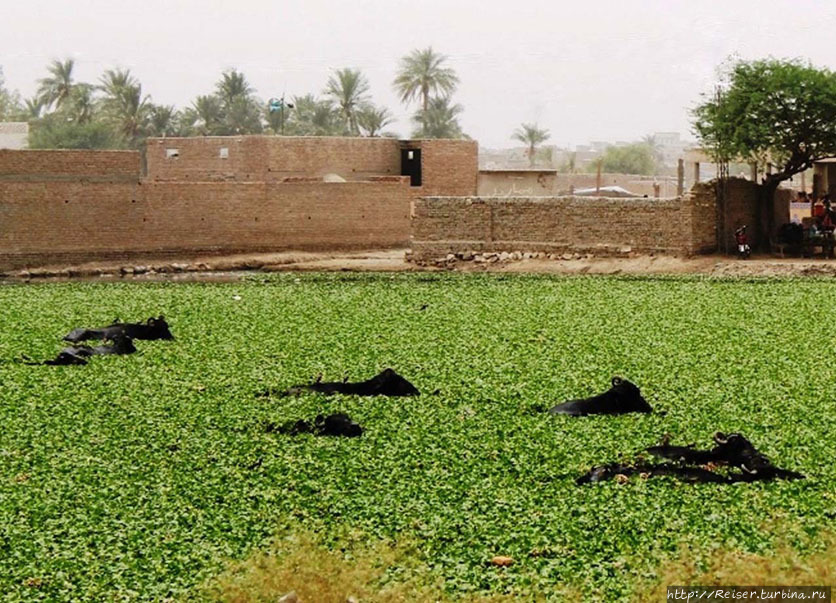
point(742, 240)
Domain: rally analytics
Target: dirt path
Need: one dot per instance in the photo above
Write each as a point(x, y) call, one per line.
point(228, 267)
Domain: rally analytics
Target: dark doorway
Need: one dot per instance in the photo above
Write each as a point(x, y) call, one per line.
point(411, 165)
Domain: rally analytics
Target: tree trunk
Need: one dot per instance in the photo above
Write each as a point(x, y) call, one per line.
point(425, 93)
point(766, 203)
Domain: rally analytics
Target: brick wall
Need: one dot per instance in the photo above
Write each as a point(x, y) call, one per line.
point(54, 222)
point(55, 165)
point(703, 219)
point(444, 225)
point(449, 167)
point(271, 158)
point(270, 216)
point(58, 206)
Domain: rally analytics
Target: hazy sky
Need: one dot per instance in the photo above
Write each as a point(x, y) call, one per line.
point(586, 70)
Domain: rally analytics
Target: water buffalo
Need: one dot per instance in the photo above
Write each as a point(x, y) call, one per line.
point(335, 424)
point(621, 398)
point(731, 449)
point(613, 470)
point(151, 329)
point(121, 344)
point(387, 383)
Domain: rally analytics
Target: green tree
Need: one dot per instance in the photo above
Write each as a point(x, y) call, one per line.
point(421, 75)
point(569, 165)
point(11, 107)
point(205, 115)
point(439, 120)
point(232, 86)
point(633, 158)
point(531, 135)
point(124, 107)
point(774, 110)
point(80, 105)
point(311, 116)
point(240, 110)
point(114, 81)
point(164, 120)
point(243, 116)
point(655, 149)
point(55, 131)
point(55, 89)
point(372, 120)
point(32, 108)
point(348, 89)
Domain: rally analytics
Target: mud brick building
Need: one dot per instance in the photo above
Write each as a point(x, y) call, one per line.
point(236, 194)
point(221, 195)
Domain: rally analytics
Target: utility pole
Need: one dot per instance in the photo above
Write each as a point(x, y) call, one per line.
point(680, 177)
point(277, 105)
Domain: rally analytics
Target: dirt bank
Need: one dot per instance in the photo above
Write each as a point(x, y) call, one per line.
point(229, 267)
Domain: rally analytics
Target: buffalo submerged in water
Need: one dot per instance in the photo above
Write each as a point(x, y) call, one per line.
point(152, 329)
point(693, 465)
point(386, 383)
point(623, 397)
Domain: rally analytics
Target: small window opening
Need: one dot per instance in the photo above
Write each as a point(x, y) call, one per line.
point(172, 153)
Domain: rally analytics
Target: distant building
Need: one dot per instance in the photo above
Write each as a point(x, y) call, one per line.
point(14, 135)
point(671, 146)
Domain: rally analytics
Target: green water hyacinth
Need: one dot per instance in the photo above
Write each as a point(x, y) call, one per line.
point(141, 477)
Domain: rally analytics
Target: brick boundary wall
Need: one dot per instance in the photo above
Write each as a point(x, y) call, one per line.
point(678, 226)
point(74, 206)
point(66, 165)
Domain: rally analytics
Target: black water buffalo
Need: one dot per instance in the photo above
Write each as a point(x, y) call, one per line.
point(693, 465)
point(121, 344)
point(387, 383)
point(64, 358)
point(151, 329)
point(731, 449)
point(621, 398)
point(688, 474)
point(335, 424)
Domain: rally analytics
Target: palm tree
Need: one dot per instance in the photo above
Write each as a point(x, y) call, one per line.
point(56, 88)
point(80, 105)
point(232, 86)
point(313, 117)
point(114, 81)
point(32, 108)
point(373, 119)
point(163, 121)
point(439, 120)
point(240, 111)
point(422, 74)
point(127, 109)
point(208, 114)
point(242, 116)
point(348, 89)
point(531, 135)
